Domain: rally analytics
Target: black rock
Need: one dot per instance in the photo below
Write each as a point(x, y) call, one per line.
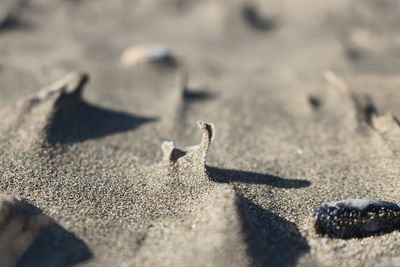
point(356, 218)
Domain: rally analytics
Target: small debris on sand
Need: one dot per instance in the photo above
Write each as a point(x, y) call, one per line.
point(356, 218)
point(153, 53)
point(385, 123)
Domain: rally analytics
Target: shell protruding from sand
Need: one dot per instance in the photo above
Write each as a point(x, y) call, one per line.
point(194, 156)
point(385, 123)
point(138, 54)
point(336, 82)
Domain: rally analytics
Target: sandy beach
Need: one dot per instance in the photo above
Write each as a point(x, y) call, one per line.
point(195, 133)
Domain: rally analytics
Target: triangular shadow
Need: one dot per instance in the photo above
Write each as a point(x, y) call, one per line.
point(48, 243)
point(271, 240)
point(55, 247)
point(228, 176)
point(86, 121)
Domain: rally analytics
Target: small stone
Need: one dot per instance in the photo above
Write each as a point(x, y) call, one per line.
point(385, 123)
point(146, 53)
point(356, 218)
point(335, 82)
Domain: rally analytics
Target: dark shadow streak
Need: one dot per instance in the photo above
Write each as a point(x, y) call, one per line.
point(11, 19)
point(168, 62)
point(271, 240)
point(86, 121)
point(198, 95)
point(57, 248)
point(229, 176)
point(13, 22)
point(254, 19)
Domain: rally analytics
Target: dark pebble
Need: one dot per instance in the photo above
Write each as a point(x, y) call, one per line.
point(356, 218)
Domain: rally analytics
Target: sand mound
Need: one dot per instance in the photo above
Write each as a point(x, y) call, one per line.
point(31, 120)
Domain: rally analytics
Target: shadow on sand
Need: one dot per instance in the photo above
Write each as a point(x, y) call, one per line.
point(197, 96)
point(55, 247)
point(87, 121)
point(26, 229)
point(229, 176)
point(256, 21)
point(271, 240)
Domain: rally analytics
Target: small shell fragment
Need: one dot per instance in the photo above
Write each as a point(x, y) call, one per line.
point(385, 123)
point(146, 53)
point(356, 218)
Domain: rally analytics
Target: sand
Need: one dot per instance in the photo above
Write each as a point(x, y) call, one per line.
point(302, 95)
